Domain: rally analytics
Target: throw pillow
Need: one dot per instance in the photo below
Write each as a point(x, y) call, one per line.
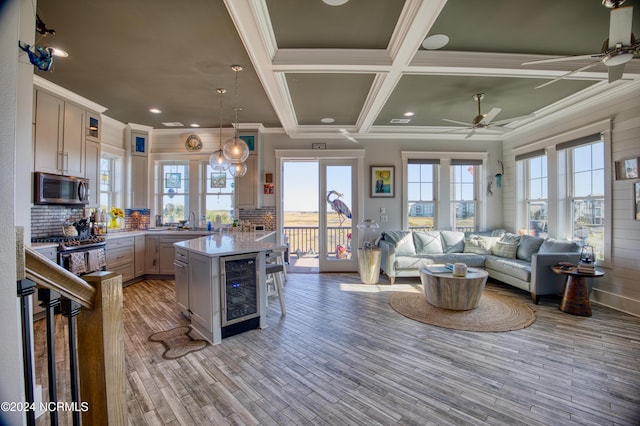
point(551, 245)
point(427, 242)
point(508, 237)
point(528, 246)
point(402, 240)
point(504, 249)
point(479, 244)
point(452, 241)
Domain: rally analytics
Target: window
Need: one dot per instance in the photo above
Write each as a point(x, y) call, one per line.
point(421, 184)
point(110, 170)
point(586, 195)
point(218, 195)
point(174, 191)
point(463, 194)
point(536, 196)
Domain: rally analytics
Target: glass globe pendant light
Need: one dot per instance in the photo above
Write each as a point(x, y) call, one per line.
point(236, 150)
point(238, 169)
point(217, 160)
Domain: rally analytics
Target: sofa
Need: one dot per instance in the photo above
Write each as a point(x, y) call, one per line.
point(522, 261)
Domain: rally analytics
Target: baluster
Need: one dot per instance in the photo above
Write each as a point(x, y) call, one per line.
point(25, 289)
point(50, 299)
point(70, 309)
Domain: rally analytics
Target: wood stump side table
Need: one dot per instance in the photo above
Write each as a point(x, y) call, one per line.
point(448, 291)
point(369, 264)
point(575, 296)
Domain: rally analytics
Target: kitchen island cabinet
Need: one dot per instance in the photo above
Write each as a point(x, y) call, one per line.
point(203, 284)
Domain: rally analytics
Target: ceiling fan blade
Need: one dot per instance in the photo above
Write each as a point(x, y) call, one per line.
point(490, 116)
point(458, 122)
point(470, 133)
point(568, 74)
point(512, 119)
point(615, 73)
point(564, 59)
point(620, 26)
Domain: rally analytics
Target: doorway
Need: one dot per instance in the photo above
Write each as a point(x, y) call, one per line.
point(319, 213)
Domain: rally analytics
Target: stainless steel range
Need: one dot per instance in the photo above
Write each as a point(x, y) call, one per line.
point(79, 255)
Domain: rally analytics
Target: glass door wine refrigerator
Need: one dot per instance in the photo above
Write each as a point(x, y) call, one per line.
point(240, 293)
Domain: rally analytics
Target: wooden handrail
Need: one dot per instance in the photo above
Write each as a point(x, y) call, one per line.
point(47, 274)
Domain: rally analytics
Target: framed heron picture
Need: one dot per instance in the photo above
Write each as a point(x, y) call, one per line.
point(383, 181)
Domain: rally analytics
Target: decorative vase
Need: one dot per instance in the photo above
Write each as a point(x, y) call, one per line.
point(114, 223)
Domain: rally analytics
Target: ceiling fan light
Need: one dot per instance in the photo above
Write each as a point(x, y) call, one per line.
point(238, 170)
point(615, 59)
point(236, 150)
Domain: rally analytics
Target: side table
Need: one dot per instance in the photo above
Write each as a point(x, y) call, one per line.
point(369, 264)
point(575, 297)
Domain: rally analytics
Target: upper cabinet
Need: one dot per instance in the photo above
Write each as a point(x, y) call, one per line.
point(249, 187)
point(136, 139)
point(60, 131)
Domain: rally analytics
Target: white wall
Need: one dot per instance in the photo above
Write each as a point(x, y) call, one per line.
point(16, 19)
point(620, 287)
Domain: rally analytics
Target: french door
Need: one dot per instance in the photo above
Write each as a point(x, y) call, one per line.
point(338, 213)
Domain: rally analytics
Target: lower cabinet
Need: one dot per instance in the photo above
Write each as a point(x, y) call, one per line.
point(139, 260)
point(120, 257)
point(204, 295)
point(182, 281)
point(160, 252)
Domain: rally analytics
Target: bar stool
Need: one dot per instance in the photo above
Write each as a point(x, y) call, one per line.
point(274, 279)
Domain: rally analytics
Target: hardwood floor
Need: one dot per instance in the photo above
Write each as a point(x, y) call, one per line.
point(341, 356)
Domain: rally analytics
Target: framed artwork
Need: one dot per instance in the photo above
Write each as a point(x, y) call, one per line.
point(268, 178)
point(251, 142)
point(636, 200)
point(218, 180)
point(383, 181)
point(172, 180)
point(627, 169)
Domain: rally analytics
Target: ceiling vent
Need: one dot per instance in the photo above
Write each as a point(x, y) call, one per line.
point(400, 120)
point(173, 124)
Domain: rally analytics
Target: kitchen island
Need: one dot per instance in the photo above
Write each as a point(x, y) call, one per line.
point(220, 282)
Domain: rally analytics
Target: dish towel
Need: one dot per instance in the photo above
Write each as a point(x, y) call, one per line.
point(77, 264)
point(102, 259)
point(92, 260)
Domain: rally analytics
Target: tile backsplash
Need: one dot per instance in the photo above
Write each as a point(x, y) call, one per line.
point(48, 220)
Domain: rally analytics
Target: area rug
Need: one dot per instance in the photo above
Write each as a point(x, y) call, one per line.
point(496, 312)
point(177, 342)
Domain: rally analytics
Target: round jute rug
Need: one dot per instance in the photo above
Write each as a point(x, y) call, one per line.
point(496, 312)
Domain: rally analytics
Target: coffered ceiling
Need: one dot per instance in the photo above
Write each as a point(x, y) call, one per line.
point(361, 64)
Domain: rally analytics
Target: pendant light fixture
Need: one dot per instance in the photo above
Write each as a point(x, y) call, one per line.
point(237, 169)
point(217, 160)
point(236, 150)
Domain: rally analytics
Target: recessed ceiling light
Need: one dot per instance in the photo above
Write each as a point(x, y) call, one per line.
point(173, 124)
point(59, 52)
point(335, 2)
point(409, 114)
point(436, 41)
point(194, 125)
point(400, 121)
point(155, 110)
point(327, 120)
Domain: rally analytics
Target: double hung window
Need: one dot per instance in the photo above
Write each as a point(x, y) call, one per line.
point(218, 194)
point(174, 191)
point(536, 196)
point(464, 194)
point(110, 170)
point(421, 193)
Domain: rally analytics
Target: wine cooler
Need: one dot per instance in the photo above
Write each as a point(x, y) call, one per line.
point(239, 299)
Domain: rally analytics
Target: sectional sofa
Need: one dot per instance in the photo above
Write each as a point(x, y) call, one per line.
point(522, 261)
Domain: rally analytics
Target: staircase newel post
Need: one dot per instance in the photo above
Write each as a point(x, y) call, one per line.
point(102, 367)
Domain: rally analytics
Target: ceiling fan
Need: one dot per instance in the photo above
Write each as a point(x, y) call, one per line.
point(616, 51)
point(348, 136)
point(484, 121)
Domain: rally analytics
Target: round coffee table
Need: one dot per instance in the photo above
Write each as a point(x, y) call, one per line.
point(448, 291)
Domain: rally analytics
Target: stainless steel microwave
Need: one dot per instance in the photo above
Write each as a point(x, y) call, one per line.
point(56, 189)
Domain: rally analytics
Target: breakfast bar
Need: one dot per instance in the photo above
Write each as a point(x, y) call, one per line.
point(220, 282)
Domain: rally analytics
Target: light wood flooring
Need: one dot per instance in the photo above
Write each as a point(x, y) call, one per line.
point(342, 356)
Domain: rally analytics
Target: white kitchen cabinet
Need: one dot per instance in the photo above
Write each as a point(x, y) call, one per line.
point(151, 255)
point(248, 191)
point(92, 172)
point(166, 252)
point(182, 281)
point(140, 255)
point(204, 295)
point(139, 182)
point(120, 257)
point(59, 141)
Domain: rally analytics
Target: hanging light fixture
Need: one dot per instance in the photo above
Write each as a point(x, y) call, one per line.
point(236, 150)
point(237, 169)
point(217, 160)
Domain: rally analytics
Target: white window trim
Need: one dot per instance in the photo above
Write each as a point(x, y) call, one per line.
point(443, 191)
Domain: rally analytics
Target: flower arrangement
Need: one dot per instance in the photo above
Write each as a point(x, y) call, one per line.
point(115, 213)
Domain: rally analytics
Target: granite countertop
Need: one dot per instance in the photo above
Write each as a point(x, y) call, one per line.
point(230, 243)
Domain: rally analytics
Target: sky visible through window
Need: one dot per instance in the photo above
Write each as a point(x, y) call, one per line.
point(301, 183)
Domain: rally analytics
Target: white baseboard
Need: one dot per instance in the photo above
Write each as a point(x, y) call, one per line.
point(617, 302)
